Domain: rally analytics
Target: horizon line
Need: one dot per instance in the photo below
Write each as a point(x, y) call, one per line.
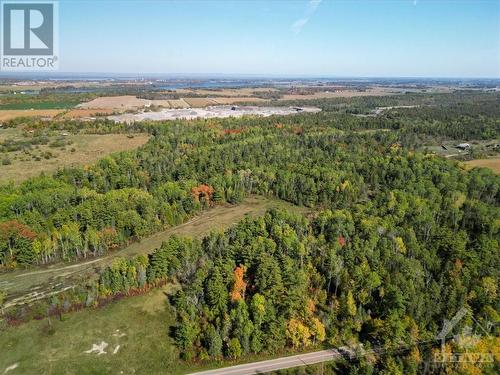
point(234, 75)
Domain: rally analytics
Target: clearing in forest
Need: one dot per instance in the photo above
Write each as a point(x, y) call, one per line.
point(491, 163)
point(65, 150)
point(114, 339)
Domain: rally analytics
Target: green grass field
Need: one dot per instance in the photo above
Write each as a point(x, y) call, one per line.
point(82, 149)
point(138, 325)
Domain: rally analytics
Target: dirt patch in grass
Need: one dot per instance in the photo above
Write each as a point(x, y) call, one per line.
point(492, 163)
point(84, 149)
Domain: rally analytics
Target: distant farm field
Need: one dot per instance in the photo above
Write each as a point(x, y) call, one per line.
point(176, 103)
point(199, 102)
point(340, 94)
point(492, 163)
point(235, 100)
point(242, 91)
point(83, 149)
point(49, 104)
point(115, 102)
point(79, 112)
point(9, 114)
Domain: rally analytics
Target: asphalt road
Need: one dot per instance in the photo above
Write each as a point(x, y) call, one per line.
point(276, 364)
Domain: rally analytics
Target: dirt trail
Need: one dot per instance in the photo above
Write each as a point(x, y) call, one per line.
point(24, 286)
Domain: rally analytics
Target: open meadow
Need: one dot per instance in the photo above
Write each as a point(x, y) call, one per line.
point(130, 336)
point(491, 163)
point(59, 151)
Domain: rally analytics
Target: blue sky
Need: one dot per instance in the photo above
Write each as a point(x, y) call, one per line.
point(316, 38)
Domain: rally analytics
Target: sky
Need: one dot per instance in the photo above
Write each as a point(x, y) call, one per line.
point(407, 38)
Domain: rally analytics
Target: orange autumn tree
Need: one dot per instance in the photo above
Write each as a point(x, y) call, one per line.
point(202, 192)
point(240, 285)
point(16, 241)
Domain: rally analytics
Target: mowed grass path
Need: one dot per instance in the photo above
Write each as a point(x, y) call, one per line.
point(26, 284)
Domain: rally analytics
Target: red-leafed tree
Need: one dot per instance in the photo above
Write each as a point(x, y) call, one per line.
point(16, 243)
point(341, 240)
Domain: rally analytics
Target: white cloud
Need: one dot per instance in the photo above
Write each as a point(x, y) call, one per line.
point(312, 6)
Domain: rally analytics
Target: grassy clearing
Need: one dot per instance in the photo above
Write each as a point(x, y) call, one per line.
point(84, 149)
point(21, 284)
point(140, 325)
point(491, 163)
point(481, 147)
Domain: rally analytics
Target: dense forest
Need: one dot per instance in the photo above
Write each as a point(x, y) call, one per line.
point(399, 241)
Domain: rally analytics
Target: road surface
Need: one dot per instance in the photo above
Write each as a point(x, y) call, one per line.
point(276, 364)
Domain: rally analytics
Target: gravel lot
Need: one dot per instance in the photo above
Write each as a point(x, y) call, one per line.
point(210, 112)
